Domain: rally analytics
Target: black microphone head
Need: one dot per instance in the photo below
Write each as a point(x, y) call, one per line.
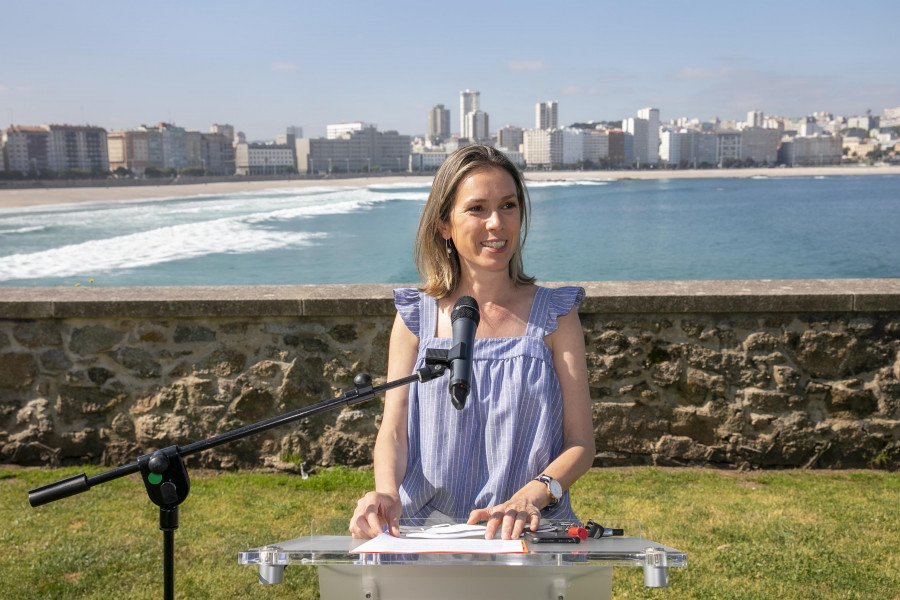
point(466, 307)
point(458, 395)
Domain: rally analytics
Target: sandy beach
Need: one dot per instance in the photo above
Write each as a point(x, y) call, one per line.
point(15, 198)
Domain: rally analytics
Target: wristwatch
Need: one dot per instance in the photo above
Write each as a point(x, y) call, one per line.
point(553, 488)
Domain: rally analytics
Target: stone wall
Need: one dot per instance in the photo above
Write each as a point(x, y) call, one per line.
point(737, 373)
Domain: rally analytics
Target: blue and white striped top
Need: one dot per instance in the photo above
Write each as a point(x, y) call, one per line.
point(510, 428)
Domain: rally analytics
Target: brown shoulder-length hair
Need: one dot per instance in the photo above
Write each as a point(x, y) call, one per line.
point(439, 271)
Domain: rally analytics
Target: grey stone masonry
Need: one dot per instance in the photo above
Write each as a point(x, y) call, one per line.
point(730, 373)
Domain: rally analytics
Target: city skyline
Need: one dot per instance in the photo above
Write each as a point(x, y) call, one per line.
point(118, 66)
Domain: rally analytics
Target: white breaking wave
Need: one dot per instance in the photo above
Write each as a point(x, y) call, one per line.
point(176, 230)
point(22, 230)
point(395, 186)
point(222, 236)
point(564, 183)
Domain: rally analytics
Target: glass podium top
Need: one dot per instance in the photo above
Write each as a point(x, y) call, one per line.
point(330, 544)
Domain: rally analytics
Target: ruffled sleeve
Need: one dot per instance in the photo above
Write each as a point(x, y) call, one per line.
point(562, 300)
point(409, 306)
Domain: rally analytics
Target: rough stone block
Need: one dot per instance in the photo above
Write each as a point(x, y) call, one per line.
point(186, 334)
point(92, 339)
point(138, 361)
point(18, 370)
point(38, 334)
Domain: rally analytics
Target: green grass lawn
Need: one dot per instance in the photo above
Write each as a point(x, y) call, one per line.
point(758, 535)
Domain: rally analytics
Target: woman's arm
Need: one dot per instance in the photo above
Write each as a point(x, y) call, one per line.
point(577, 456)
point(382, 506)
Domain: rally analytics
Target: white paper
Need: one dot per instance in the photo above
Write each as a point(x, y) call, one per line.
point(447, 531)
point(386, 543)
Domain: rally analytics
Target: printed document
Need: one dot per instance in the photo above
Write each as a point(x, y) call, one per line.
point(386, 543)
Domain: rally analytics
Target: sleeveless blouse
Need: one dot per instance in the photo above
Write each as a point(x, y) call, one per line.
point(510, 428)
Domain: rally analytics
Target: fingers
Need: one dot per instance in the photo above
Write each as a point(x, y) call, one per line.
point(373, 511)
point(509, 518)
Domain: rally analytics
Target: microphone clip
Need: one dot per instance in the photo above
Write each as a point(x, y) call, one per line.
point(437, 361)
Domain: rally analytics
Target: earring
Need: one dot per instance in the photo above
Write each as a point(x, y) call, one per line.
point(449, 247)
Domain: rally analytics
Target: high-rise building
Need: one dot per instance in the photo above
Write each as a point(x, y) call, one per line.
point(477, 126)
point(637, 152)
point(545, 115)
point(469, 101)
point(438, 123)
point(651, 115)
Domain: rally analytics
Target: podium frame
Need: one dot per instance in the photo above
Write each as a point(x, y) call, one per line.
point(544, 572)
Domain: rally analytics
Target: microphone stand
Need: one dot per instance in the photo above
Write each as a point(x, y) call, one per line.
point(166, 478)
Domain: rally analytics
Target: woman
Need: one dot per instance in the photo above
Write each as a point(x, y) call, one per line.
point(525, 434)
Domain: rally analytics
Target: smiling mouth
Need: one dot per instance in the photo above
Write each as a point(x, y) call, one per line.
point(495, 245)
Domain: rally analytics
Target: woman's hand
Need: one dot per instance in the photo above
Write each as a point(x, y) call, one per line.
point(511, 517)
point(373, 511)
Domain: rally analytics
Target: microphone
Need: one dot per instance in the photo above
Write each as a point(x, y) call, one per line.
point(464, 319)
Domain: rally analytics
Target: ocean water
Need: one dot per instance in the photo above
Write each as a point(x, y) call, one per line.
point(750, 228)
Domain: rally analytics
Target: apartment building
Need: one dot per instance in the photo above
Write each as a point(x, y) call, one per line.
point(811, 150)
point(26, 149)
point(552, 148)
point(728, 146)
point(510, 138)
point(218, 153)
point(688, 148)
point(759, 145)
point(263, 159)
point(651, 116)
point(57, 148)
point(362, 150)
point(438, 126)
point(469, 101)
point(638, 151)
point(546, 115)
point(596, 145)
point(129, 150)
point(542, 148)
point(477, 126)
point(77, 148)
point(138, 149)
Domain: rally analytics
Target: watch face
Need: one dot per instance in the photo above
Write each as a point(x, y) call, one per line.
point(555, 489)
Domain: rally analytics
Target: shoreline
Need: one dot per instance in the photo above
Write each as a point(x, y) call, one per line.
point(30, 197)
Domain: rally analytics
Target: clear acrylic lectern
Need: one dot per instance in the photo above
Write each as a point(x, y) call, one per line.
point(553, 571)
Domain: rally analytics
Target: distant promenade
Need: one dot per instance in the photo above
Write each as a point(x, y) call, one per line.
point(55, 193)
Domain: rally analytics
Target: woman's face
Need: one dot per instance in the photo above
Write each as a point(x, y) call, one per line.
point(485, 219)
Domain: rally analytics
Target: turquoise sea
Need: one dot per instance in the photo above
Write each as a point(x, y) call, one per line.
point(753, 228)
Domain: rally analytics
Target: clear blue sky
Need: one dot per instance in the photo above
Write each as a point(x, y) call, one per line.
point(261, 66)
